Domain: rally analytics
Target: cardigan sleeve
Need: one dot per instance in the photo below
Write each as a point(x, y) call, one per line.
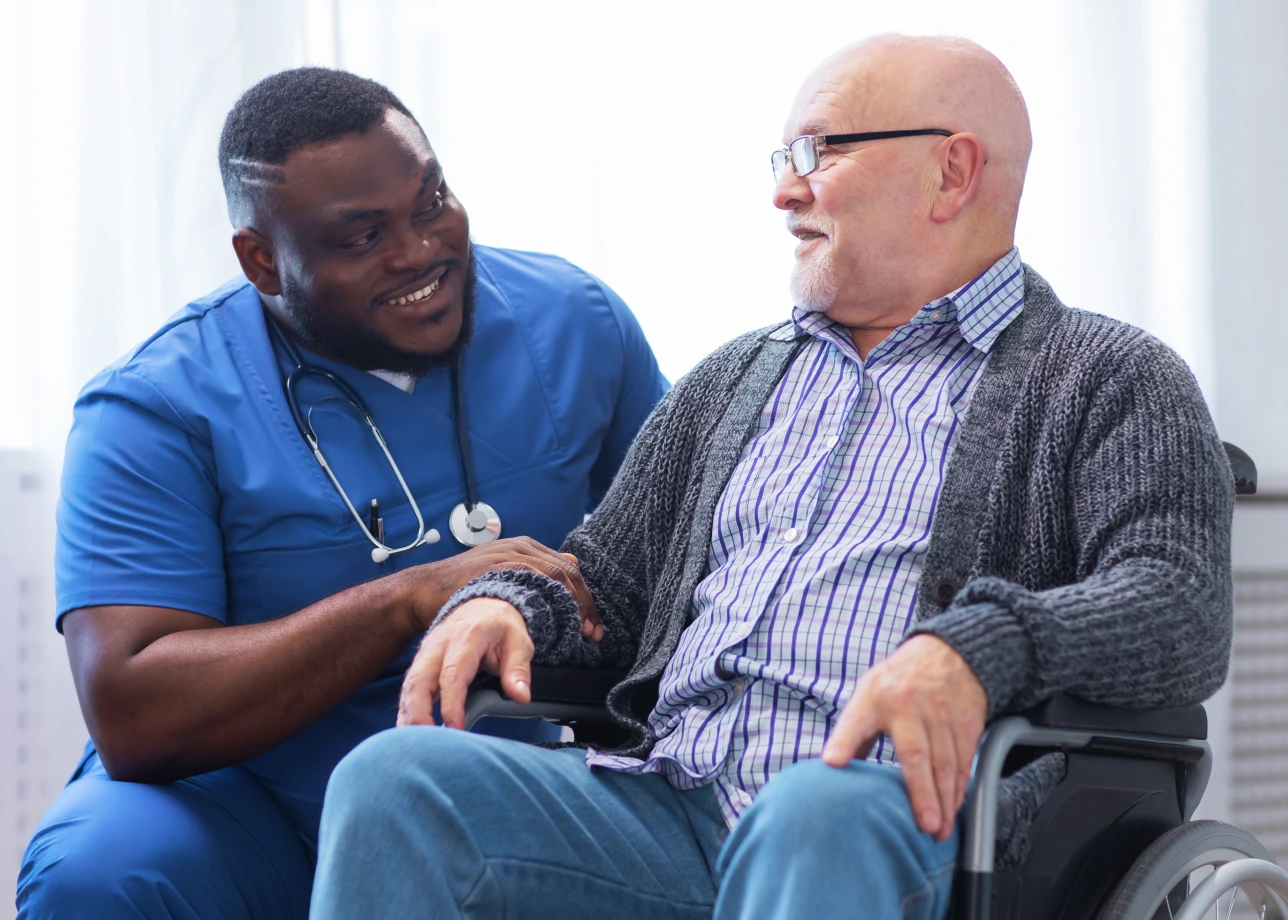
point(1148, 621)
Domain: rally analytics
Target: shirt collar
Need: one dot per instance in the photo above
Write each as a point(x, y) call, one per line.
point(982, 308)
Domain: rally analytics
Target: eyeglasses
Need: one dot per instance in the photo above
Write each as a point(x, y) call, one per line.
point(802, 153)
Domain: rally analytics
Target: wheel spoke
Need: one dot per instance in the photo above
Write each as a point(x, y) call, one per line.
point(1233, 895)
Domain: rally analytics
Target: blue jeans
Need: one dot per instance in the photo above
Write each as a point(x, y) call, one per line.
point(431, 822)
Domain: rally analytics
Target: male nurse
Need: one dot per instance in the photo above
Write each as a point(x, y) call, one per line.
point(237, 615)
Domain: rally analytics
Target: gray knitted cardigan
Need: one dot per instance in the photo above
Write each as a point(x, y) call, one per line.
point(1081, 543)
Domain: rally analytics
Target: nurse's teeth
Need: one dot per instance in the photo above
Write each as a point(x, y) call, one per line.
point(416, 295)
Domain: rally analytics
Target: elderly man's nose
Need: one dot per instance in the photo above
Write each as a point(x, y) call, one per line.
point(791, 191)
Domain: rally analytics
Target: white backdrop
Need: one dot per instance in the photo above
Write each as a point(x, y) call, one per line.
point(630, 138)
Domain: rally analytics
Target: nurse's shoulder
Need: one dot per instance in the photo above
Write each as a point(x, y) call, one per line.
point(197, 359)
point(600, 375)
point(547, 292)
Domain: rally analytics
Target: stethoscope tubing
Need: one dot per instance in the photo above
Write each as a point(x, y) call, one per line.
point(305, 426)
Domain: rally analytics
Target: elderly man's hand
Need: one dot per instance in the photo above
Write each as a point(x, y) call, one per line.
point(483, 632)
point(928, 700)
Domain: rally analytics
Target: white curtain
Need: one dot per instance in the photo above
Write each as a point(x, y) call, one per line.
point(630, 138)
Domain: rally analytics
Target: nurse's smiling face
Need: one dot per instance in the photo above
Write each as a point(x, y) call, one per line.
point(362, 251)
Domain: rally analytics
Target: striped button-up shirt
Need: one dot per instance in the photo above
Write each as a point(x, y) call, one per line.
point(818, 542)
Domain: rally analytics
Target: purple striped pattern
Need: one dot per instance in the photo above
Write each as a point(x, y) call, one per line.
point(818, 542)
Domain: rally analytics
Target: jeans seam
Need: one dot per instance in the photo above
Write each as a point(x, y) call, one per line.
point(484, 873)
point(932, 880)
point(555, 868)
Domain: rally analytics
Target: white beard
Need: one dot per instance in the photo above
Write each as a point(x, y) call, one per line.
point(813, 284)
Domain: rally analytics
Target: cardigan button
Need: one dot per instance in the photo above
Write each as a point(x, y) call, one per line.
point(945, 591)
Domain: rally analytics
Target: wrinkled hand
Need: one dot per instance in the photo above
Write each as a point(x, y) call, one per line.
point(434, 583)
point(481, 632)
point(928, 700)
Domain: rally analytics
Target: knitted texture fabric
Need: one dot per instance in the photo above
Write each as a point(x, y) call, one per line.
point(1081, 542)
point(548, 608)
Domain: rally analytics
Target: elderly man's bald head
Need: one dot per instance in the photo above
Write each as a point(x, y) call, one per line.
point(935, 81)
point(888, 225)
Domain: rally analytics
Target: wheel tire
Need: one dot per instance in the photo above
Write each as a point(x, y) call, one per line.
point(1168, 861)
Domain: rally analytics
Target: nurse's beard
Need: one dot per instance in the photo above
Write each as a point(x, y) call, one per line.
point(351, 344)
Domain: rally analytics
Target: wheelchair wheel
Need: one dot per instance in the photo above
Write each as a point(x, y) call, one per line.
point(1161, 879)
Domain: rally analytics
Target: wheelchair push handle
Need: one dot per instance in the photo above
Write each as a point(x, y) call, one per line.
point(1242, 468)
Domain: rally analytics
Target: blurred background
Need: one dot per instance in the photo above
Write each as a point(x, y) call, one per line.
point(634, 140)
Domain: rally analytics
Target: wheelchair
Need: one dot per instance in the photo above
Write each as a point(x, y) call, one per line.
point(1113, 841)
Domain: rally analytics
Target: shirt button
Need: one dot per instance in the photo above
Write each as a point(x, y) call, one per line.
point(742, 631)
point(937, 315)
point(740, 686)
point(832, 442)
point(790, 535)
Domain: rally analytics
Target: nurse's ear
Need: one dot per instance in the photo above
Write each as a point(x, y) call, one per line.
point(258, 262)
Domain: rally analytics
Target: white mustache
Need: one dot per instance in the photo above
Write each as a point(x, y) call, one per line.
point(794, 225)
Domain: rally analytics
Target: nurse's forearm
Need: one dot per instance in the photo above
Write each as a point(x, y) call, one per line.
point(169, 693)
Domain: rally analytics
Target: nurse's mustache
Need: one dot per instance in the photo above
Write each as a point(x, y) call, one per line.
point(429, 275)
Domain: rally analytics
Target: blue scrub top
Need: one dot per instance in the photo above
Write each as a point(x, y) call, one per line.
point(187, 485)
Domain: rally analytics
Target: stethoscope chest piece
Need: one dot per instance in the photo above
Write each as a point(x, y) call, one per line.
point(474, 528)
point(481, 524)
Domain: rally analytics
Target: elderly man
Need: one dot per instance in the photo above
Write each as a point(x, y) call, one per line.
point(936, 495)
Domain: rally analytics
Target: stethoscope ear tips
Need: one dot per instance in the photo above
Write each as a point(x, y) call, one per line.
point(379, 554)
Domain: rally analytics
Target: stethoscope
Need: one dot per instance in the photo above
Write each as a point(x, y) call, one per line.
point(472, 522)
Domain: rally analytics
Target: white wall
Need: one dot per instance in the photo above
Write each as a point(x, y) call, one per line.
point(1247, 140)
point(1248, 50)
point(631, 138)
point(637, 143)
point(41, 732)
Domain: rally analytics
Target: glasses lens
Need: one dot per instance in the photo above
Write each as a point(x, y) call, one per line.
point(778, 160)
point(804, 155)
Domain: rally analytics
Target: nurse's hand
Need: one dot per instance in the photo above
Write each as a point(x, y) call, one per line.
point(437, 581)
point(482, 632)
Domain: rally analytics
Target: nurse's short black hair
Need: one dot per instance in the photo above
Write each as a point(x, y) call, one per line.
point(286, 111)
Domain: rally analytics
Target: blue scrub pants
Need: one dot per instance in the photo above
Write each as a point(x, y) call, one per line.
point(210, 847)
point(430, 822)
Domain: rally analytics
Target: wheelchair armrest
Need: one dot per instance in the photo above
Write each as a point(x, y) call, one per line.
point(558, 694)
point(1064, 723)
point(1189, 722)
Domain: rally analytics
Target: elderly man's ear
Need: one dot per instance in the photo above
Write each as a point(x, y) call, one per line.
point(961, 162)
